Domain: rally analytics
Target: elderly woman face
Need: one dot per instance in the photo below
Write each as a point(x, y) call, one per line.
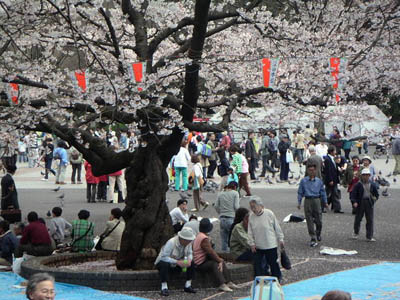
point(43, 291)
point(255, 208)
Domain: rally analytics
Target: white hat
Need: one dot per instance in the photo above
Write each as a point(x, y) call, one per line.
point(187, 234)
point(367, 157)
point(365, 171)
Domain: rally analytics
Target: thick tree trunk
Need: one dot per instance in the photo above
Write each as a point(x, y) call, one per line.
point(148, 224)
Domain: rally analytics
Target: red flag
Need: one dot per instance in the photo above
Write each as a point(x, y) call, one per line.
point(335, 64)
point(270, 69)
point(14, 91)
point(137, 72)
point(81, 80)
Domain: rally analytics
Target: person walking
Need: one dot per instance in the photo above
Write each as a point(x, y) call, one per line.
point(61, 154)
point(239, 163)
point(181, 161)
point(47, 154)
point(91, 183)
point(264, 235)
point(331, 181)
point(76, 160)
point(251, 155)
point(283, 147)
point(396, 155)
point(226, 205)
point(213, 157)
point(223, 168)
point(313, 190)
point(198, 182)
point(316, 160)
point(113, 178)
point(363, 197)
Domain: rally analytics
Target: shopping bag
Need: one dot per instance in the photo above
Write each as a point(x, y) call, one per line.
point(285, 261)
point(289, 156)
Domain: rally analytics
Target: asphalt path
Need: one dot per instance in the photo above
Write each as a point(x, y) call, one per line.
point(307, 262)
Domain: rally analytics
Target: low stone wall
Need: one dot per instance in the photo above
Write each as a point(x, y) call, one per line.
point(120, 280)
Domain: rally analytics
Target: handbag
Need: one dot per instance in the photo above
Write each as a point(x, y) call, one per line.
point(103, 236)
point(289, 156)
point(285, 261)
point(11, 215)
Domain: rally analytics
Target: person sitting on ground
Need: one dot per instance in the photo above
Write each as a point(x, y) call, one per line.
point(239, 242)
point(8, 244)
point(207, 260)
point(58, 226)
point(113, 232)
point(82, 233)
point(177, 255)
point(179, 215)
point(40, 287)
point(18, 230)
point(35, 238)
point(226, 205)
point(193, 224)
point(336, 295)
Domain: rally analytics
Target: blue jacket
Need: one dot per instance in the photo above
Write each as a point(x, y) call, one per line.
point(62, 155)
point(8, 244)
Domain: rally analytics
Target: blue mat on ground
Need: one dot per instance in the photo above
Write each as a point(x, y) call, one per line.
point(381, 281)
point(64, 291)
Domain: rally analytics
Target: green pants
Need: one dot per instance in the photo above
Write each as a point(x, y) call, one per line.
point(312, 212)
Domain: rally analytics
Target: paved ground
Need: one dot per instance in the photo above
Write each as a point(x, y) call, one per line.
point(281, 198)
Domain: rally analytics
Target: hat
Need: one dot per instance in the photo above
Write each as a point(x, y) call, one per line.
point(187, 234)
point(367, 157)
point(205, 225)
point(365, 171)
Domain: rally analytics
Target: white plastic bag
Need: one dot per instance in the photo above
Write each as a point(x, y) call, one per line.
point(289, 156)
point(266, 288)
point(17, 262)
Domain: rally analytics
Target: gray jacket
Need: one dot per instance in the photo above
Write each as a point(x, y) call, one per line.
point(396, 147)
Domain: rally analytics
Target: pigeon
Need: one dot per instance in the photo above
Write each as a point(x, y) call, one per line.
point(380, 172)
point(61, 196)
point(394, 180)
point(56, 189)
point(385, 192)
point(388, 175)
point(291, 176)
point(48, 214)
point(292, 182)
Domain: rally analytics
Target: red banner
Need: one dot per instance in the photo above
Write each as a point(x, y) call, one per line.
point(14, 92)
point(335, 65)
point(270, 69)
point(137, 71)
point(81, 80)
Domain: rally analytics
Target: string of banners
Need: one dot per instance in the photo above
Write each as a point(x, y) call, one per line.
point(136, 72)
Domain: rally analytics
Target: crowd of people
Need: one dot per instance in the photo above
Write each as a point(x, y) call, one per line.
point(252, 236)
point(42, 236)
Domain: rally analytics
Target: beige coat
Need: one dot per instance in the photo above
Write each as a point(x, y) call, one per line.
point(113, 240)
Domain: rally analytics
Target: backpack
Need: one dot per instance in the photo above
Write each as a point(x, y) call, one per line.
point(266, 288)
point(75, 155)
point(206, 150)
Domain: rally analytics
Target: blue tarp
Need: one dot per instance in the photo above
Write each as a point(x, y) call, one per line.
point(374, 282)
point(64, 291)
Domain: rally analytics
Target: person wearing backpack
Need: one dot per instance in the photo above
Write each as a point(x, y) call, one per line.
point(265, 155)
point(76, 160)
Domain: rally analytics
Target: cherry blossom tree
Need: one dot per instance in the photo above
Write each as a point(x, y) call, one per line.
point(197, 56)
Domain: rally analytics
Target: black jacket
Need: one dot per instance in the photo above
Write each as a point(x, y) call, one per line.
point(357, 193)
point(223, 167)
point(331, 172)
point(250, 149)
point(8, 197)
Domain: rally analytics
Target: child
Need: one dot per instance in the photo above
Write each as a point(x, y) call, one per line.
point(58, 226)
point(232, 176)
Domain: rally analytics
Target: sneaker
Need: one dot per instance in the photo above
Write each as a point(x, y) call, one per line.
point(189, 290)
point(319, 238)
point(313, 243)
point(225, 288)
point(44, 179)
point(371, 240)
point(232, 285)
point(354, 236)
point(165, 292)
point(194, 210)
point(205, 205)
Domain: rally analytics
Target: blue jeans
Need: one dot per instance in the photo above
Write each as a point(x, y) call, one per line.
point(225, 227)
point(271, 257)
point(178, 172)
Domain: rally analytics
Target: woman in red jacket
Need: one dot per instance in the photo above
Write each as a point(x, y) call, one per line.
point(91, 183)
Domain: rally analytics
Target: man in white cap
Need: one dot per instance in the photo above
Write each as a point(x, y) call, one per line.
point(363, 197)
point(367, 164)
point(177, 255)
